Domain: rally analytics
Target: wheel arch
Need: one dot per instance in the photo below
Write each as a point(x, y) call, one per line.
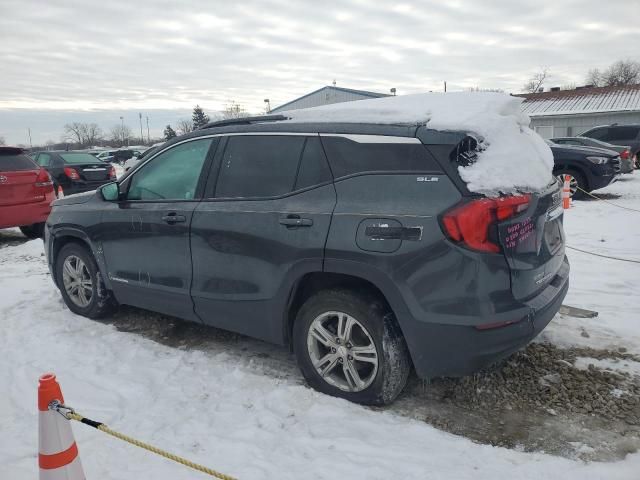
point(576, 169)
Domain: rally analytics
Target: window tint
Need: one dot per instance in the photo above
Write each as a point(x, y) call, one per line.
point(172, 175)
point(259, 166)
point(43, 159)
point(623, 133)
point(598, 134)
point(347, 156)
point(14, 163)
point(313, 168)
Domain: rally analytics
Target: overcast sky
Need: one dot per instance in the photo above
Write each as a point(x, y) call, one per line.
point(122, 57)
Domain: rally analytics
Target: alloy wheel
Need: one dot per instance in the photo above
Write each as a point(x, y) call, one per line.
point(77, 281)
point(342, 351)
point(573, 183)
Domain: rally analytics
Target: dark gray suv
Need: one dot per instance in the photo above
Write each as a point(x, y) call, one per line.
point(357, 245)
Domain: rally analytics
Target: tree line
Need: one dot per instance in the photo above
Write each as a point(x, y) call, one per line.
point(622, 72)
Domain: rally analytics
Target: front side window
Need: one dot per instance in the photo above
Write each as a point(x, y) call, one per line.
point(172, 175)
point(259, 166)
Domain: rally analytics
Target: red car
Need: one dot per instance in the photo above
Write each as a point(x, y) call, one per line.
point(26, 192)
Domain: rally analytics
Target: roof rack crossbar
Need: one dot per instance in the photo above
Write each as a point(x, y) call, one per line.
point(244, 121)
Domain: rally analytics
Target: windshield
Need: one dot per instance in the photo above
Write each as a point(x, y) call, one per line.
point(75, 158)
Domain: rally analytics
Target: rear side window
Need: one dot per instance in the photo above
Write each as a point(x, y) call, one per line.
point(259, 166)
point(598, 134)
point(623, 133)
point(43, 159)
point(79, 158)
point(14, 163)
point(349, 157)
point(313, 168)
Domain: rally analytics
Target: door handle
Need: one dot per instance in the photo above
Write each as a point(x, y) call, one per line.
point(172, 218)
point(291, 221)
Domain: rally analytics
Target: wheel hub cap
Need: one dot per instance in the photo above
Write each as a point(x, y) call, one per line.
point(77, 281)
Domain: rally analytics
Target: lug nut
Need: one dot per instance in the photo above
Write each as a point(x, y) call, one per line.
point(349, 345)
point(338, 341)
point(340, 360)
point(333, 350)
point(350, 357)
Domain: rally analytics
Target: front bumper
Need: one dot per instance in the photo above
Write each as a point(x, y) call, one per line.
point(459, 350)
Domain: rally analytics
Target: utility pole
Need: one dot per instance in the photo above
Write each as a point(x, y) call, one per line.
point(141, 136)
point(445, 86)
point(30, 143)
point(148, 135)
point(122, 129)
point(268, 106)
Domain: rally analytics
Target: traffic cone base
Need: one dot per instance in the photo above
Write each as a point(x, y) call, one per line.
point(57, 452)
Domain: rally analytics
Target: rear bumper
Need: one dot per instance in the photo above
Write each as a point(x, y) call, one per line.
point(25, 214)
point(458, 350)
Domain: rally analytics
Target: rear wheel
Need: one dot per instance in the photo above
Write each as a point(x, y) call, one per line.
point(33, 231)
point(350, 346)
point(80, 284)
point(577, 183)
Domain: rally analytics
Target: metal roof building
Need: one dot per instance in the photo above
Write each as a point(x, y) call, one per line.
point(326, 96)
point(559, 113)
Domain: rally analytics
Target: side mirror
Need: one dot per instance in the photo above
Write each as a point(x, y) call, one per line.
point(111, 192)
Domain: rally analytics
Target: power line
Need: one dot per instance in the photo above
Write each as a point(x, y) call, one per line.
point(604, 256)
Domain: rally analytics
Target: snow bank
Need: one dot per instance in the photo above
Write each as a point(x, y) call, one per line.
point(513, 157)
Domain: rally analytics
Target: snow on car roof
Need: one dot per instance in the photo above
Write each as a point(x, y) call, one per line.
point(513, 157)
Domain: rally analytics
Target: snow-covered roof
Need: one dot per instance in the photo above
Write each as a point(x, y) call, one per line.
point(583, 100)
point(512, 158)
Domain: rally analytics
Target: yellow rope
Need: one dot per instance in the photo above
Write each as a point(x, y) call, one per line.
point(151, 448)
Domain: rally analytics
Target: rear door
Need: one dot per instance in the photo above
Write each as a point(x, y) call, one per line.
point(18, 175)
point(263, 224)
point(145, 236)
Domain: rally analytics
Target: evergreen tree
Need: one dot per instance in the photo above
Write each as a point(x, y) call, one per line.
point(199, 117)
point(169, 133)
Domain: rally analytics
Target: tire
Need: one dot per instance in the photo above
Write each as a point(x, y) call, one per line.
point(374, 325)
point(33, 231)
point(99, 300)
point(580, 182)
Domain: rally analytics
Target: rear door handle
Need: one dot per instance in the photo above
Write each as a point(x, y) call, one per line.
point(295, 221)
point(173, 217)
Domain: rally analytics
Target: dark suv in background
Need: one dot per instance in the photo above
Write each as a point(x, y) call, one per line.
point(357, 245)
point(74, 172)
point(618, 135)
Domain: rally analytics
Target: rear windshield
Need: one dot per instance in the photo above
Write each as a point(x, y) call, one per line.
point(14, 163)
point(79, 158)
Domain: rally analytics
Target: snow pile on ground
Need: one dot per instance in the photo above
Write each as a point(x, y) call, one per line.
point(513, 157)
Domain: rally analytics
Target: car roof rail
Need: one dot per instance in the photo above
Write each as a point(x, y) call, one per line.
point(244, 121)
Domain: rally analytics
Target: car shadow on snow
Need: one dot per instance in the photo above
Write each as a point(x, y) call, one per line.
point(537, 400)
point(11, 237)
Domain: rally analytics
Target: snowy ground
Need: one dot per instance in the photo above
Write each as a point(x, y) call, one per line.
point(239, 405)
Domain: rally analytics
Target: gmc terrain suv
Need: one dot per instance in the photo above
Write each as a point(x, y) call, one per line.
point(358, 245)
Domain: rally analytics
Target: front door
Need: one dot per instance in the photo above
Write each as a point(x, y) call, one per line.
point(145, 236)
point(262, 225)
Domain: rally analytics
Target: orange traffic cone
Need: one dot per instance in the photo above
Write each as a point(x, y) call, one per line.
point(58, 452)
point(566, 192)
point(60, 192)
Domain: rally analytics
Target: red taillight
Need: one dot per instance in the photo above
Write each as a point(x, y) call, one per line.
point(72, 173)
point(624, 155)
point(470, 223)
point(112, 172)
point(43, 179)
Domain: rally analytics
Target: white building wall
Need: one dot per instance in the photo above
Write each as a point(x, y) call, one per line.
point(572, 125)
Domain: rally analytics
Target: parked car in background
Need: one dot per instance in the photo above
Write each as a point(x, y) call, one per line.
point(358, 245)
point(74, 172)
point(26, 192)
point(618, 135)
point(626, 159)
point(588, 168)
point(132, 162)
point(118, 156)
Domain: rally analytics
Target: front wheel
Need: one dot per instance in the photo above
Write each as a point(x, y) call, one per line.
point(78, 279)
point(350, 346)
point(33, 231)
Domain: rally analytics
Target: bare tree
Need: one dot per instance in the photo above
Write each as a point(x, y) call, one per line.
point(184, 126)
point(84, 134)
point(120, 133)
point(536, 81)
point(233, 110)
point(2, 141)
point(594, 77)
point(92, 134)
point(622, 72)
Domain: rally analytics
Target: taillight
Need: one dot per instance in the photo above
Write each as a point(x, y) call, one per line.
point(112, 172)
point(624, 155)
point(43, 179)
point(470, 223)
point(72, 173)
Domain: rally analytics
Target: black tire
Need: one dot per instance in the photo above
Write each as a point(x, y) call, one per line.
point(394, 363)
point(102, 302)
point(33, 231)
point(582, 183)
